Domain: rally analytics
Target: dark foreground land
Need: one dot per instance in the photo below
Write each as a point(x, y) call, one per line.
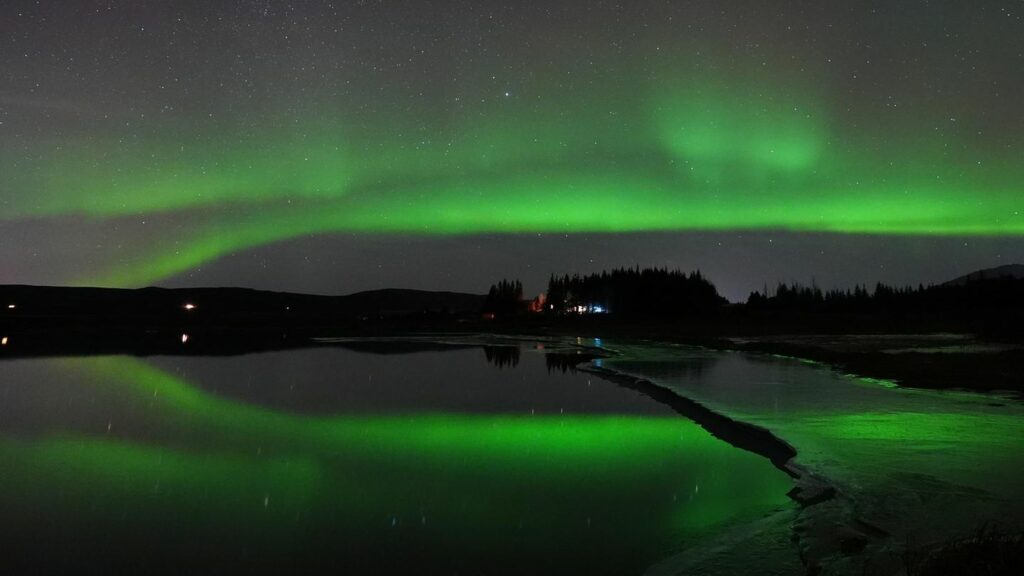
point(977, 352)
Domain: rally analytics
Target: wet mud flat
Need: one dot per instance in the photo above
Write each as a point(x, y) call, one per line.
point(888, 479)
point(932, 361)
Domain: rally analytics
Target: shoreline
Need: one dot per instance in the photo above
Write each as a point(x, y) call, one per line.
point(926, 360)
point(834, 532)
point(933, 361)
point(817, 537)
point(989, 372)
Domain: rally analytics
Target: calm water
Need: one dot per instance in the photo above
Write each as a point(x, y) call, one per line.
point(367, 458)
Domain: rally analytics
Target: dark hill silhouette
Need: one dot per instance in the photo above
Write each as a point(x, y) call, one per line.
point(1007, 271)
point(986, 302)
point(39, 305)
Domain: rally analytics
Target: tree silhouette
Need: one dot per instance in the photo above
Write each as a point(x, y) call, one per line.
point(984, 305)
point(635, 292)
point(504, 298)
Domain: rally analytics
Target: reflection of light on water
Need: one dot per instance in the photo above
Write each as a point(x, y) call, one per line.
point(184, 338)
point(598, 362)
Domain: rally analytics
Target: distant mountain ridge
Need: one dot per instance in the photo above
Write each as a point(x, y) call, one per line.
point(1005, 271)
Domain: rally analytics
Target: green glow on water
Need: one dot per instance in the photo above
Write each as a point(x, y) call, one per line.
point(973, 449)
point(910, 431)
point(629, 486)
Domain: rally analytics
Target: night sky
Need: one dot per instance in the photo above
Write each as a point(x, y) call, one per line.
point(331, 147)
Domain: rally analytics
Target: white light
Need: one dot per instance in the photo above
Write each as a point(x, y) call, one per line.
point(190, 306)
point(11, 306)
point(3, 341)
point(184, 338)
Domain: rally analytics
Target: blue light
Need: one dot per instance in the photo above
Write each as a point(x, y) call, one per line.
point(598, 309)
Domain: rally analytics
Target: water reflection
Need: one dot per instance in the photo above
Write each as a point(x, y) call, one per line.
point(502, 356)
point(418, 377)
point(566, 362)
point(124, 464)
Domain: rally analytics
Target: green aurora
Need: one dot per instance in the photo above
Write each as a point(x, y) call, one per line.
point(708, 153)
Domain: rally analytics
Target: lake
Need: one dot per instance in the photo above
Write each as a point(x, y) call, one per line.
point(388, 457)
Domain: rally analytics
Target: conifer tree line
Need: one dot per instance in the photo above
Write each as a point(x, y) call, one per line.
point(634, 291)
point(504, 297)
point(672, 293)
point(1005, 293)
